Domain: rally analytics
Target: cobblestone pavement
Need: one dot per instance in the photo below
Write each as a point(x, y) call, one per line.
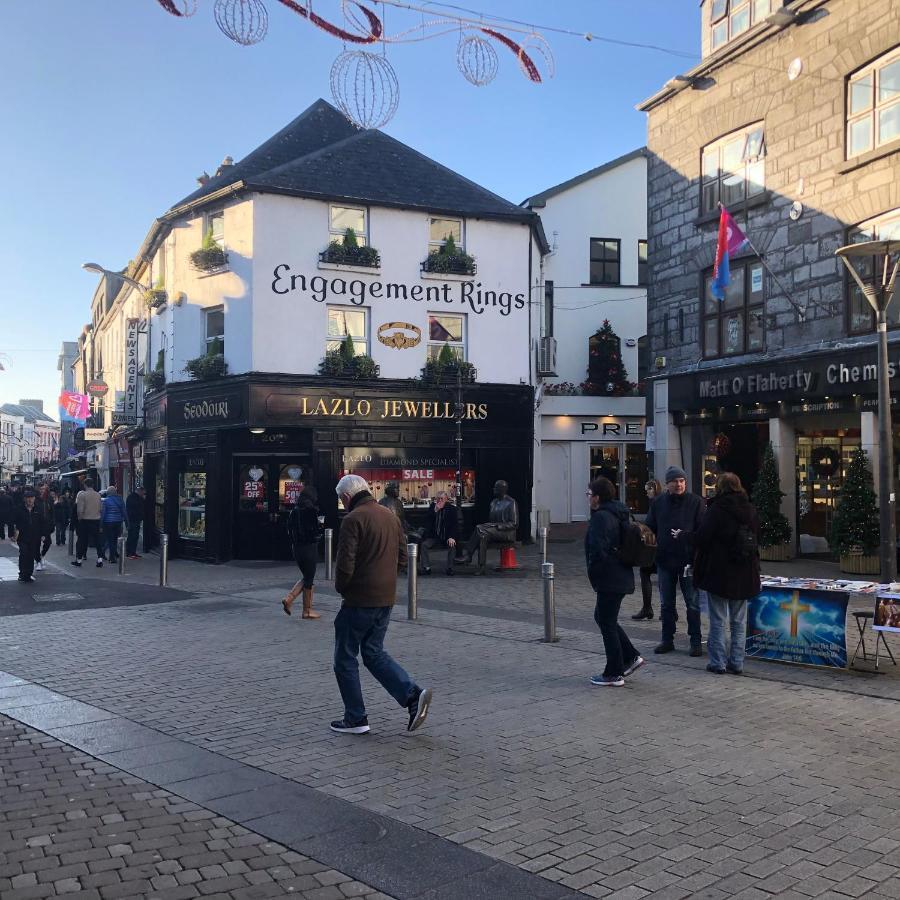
point(683, 784)
point(73, 826)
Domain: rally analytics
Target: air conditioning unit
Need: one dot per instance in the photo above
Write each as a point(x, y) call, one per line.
point(546, 358)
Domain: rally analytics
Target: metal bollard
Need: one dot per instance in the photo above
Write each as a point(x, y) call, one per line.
point(329, 561)
point(412, 581)
point(543, 532)
point(549, 604)
point(163, 560)
point(71, 542)
point(120, 550)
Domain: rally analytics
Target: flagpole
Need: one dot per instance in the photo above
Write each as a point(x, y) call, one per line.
point(800, 310)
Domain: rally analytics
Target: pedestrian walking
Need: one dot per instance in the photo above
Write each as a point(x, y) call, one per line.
point(305, 531)
point(674, 517)
point(371, 548)
point(7, 519)
point(611, 579)
point(62, 512)
point(444, 532)
point(653, 489)
point(87, 510)
point(113, 516)
point(29, 528)
point(44, 505)
point(726, 566)
point(134, 512)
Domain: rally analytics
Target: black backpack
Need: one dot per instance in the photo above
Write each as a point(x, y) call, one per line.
point(637, 546)
point(745, 544)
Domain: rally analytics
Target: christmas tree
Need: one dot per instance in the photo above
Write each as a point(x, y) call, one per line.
point(774, 528)
point(606, 372)
point(855, 524)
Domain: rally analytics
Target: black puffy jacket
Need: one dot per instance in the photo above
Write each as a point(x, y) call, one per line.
point(607, 574)
point(718, 563)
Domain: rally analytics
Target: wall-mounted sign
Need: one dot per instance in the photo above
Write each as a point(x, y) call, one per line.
point(399, 335)
point(94, 435)
point(97, 388)
point(207, 410)
point(469, 294)
point(131, 368)
point(304, 407)
point(601, 429)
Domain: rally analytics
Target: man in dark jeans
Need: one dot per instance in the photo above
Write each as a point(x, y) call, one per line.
point(134, 513)
point(30, 529)
point(371, 547)
point(674, 517)
point(443, 532)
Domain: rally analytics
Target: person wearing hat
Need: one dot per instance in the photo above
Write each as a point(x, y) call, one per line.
point(674, 517)
point(29, 531)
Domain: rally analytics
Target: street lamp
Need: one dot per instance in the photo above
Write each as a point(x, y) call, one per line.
point(94, 267)
point(878, 292)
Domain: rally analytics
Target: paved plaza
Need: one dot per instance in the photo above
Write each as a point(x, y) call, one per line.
point(525, 782)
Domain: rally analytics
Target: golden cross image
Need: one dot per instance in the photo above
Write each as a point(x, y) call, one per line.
point(795, 608)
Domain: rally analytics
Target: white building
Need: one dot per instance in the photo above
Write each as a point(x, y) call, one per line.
point(235, 337)
point(32, 437)
point(12, 444)
point(596, 272)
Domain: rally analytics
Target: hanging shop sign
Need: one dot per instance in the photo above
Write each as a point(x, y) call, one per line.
point(469, 294)
point(97, 388)
point(95, 435)
point(129, 406)
point(399, 335)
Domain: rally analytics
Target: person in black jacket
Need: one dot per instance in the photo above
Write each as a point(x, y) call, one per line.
point(611, 579)
point(62, 510)
point(305, 529)
point(134, 514)
point(443, 532)
point(29, 531)
point(674, 517)
point(726, 566)
point(6, 514)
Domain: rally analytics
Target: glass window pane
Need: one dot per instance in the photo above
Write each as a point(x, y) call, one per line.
point(889, 123)
point(712, 303)
point(253, 494)
point(720, 34)
point(719, 8)
point(215, 323)
point(740, 21)
point(441, 229)
point(711, 337)
point(859, 138)
point(597, 273)
point(642, 251)
point(342, 322)
point(711, 163)
point(734, 293)
point(756, 329)
point(216, 223)
point(861, 315)
point(861, 94)
point(889, 81)
point(761, 9)
point(192, 506)
point(733, 333)
point(344, 217)
point(754, 144)
point(612, 274)
point(435, 350)
point(756, 178)
point(710, 196)
point(756, 283)
point(732, 154)
point(888, 230)
point(611, 250)
point(445, 328)
point(733, 189)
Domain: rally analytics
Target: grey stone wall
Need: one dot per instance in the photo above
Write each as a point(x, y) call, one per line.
point(804, 127)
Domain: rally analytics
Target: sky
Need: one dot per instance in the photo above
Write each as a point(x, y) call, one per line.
point(112, 108)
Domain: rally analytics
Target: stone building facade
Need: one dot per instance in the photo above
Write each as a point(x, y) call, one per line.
point(793, 123)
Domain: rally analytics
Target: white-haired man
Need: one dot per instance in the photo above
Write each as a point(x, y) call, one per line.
point(371, 547)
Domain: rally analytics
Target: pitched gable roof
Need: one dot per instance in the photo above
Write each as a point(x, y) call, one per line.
point(31, 414)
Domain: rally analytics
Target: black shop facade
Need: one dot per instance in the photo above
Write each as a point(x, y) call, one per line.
point(224, 461)
point(816, 409)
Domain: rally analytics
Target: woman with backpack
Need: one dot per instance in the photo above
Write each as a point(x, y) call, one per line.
point(726, 566)
point(612, 579)
point(305, 530)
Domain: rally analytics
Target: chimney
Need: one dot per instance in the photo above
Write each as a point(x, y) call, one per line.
point(203, 180)
point(227, 163)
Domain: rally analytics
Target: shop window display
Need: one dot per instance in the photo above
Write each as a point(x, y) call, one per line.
point(192, 506)
point(290, 485)
point(822, 463)
point(159, 496)
point(253, 487)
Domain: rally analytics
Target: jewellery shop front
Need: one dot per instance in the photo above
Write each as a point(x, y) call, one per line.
point(815, 409)
point(226, 460)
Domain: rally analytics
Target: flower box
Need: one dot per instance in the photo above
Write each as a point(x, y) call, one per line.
point(348, 255)
point(156, 298)
point(860, 563)
point(777, 553)
point(209, 259)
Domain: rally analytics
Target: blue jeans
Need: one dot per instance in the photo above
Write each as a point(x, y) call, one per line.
point(668, 579)
point(362, 630)
point(735, 612)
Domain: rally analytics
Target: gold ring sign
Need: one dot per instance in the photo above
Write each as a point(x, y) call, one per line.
point(397, 339)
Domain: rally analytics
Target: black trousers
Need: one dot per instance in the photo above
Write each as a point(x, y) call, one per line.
point(60, 534)
point(28, 549)
point(429, 544)
point(307, 556)
point(620, 652)
point(88, 533)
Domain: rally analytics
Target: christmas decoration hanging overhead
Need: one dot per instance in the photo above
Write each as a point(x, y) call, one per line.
point(476, 59)
point(365, 88)
point(244, 21)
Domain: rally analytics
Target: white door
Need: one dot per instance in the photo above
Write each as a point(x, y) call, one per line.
point(555, 473)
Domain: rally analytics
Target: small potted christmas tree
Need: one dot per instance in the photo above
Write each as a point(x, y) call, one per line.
point(606, 371)
point(774, 528)
point(855, 531)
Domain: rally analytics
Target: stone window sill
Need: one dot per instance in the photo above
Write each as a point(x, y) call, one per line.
point(444, 276)
point(342, 267)
point(759, 200)
point(864, 159)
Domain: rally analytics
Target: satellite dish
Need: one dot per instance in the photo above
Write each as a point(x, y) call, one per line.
point(794, 69)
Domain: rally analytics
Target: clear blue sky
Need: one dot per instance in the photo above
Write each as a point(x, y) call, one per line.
point(111, 108)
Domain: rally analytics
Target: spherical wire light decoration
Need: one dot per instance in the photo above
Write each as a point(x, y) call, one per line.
point(477, 59)
point(536, 45)
point(365, 88)
point(244, 21)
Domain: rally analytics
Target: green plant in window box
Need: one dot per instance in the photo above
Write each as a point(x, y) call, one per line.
point(210, 366)
point(332, 364)
point(154, 380)
point(443, 369)
point(364, 368)
point(449, 259)
point(348, 252)
point(210, 256)
point(345, 362)
point(156, 296)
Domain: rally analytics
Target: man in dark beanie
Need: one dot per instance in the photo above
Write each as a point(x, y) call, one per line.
point(674, 517)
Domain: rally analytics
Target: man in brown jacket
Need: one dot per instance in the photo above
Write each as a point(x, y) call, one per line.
point(371, 548)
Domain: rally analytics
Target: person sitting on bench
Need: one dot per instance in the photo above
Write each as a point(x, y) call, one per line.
point(501, 527)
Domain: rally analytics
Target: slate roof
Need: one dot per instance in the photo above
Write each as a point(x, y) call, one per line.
point(322, 155)
point(30, 413)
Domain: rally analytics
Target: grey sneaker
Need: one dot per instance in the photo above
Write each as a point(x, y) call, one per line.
point(418, 709)
point(630, 670)
point(608, 680)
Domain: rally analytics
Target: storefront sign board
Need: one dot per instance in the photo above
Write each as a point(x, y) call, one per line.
point(216, 408)
point(794, 625)
point(598, 429)
point(312, 407)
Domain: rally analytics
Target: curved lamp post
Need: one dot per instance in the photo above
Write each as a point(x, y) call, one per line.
point(94, 267)
point(878, 292)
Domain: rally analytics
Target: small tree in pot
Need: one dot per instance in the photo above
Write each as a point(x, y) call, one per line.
point(774, 528)
point(855, 529)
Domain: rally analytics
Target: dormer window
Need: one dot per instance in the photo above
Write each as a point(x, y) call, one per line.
point(730, 18)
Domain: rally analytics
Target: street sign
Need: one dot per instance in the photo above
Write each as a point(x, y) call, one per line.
point(94, 435)
point(97, 388)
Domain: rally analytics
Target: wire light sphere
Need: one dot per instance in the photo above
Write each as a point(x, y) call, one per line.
point(243, 21)
point(477, 59)
point(365, 88)
point(536, 45)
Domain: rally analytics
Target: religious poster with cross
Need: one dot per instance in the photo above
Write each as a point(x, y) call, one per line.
point(798, 626)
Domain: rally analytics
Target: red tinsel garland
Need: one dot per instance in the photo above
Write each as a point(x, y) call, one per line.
point(527, 63)
point(374, 23)
point(169, 6)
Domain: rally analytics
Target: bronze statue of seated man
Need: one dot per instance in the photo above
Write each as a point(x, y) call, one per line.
point(501, 527)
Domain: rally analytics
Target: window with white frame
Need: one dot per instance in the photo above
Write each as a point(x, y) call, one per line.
point(214, 329)
point(340, 218)
point(730, 18)
point(215, 222)
point(734, 168)
point(440, 229)
point(873, 105)
point(344, 321)
point(860, 316)
point(446, 330)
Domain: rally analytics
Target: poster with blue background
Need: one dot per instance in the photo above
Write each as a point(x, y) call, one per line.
point(798, 626)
